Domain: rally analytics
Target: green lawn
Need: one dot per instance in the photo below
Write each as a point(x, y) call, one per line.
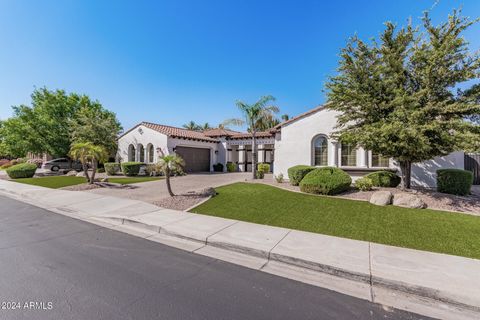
point(64, 181)
point(53, 182)
point(423, 229)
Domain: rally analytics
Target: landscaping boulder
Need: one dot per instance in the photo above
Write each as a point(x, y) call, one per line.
point(208, 192)
point(381, 198)
point(80, 174)
point(72, 173)
point(408, 200)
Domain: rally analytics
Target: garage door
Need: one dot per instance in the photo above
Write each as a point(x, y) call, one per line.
point(196, 159)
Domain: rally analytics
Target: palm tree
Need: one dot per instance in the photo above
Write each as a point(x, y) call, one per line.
point(191, 126)
point(285, 117)
point(168, 164)
point(267, 122)
point(206, 126)
point(88, 153)
point(253, 115)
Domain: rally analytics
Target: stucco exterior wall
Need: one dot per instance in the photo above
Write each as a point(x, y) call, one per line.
point(145, 136)
point(424, 174)
point(293, 146)
point(141, 135)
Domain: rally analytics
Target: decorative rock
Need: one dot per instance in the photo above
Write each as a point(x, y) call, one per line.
point(208, 192)
point(104, 180)
point(381, 198)
point(71, 173)
point(80, 174)
point(408, 200)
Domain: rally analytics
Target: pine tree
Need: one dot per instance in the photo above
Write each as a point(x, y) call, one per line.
point(398, 96)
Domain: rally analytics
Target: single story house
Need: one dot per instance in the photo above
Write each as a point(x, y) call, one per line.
point(304, 139)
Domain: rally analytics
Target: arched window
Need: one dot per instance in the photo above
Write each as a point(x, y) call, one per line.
point(150, 153)
point(141, 153)
point(320, 151)
point(349, 155)
point(131, 153)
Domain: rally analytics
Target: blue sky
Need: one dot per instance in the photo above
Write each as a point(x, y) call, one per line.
point(174, 61)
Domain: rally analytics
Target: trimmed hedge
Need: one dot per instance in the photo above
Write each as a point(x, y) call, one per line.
point(231, 167)
point(454, 181)
point(264, 167)
point(384, 178)
point(131, 168)
point(112, 168)
point(296, 173)
point(327, 180)
point(22, 170)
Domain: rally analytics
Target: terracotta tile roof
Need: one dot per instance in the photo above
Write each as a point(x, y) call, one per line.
point(246, 135)
point(207, 135)
point(175, 132)
point(300, 116)
point(219, 132)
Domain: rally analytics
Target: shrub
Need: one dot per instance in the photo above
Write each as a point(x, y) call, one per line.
point(327, 180)
point(384, 179)
point(100, 170)
point(264, 167)
point(7, 165)
point(364, 184)
point(296, 173)
point(37, 162)
point(111, 168)
point(152, 170)
point(22, 170)
point(231, 167)
point(218, 167)
point(454, 181)
point(260, 174)
point(131, 168)
point(279, 178)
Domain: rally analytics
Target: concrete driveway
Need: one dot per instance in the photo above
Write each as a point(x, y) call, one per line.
point(155, 190)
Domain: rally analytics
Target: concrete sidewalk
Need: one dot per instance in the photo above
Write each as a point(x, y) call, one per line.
point(436, 285)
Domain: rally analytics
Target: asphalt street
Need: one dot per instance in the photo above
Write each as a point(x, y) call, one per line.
point(55, 267)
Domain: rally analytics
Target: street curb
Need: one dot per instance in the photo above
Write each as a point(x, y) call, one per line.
point(429, 295)
point(429, 302)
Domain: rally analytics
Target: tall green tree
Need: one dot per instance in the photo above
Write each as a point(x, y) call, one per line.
point(254, 115)
point(46, 125)
point(93, 123)
point(397, 96)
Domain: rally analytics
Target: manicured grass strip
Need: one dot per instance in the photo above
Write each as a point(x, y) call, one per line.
point(132, 180)
point(423, 229)
point(53, 182)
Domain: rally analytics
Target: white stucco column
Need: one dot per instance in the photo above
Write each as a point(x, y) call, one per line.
point(333, 154)
point(242, 165)
point(261, 153)
point(362, 157)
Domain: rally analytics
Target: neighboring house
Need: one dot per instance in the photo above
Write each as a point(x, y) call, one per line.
point(304, 139)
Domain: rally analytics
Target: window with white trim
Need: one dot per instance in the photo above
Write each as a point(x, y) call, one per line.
point(348, 155)
point(320, 151)
point(379, 161)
